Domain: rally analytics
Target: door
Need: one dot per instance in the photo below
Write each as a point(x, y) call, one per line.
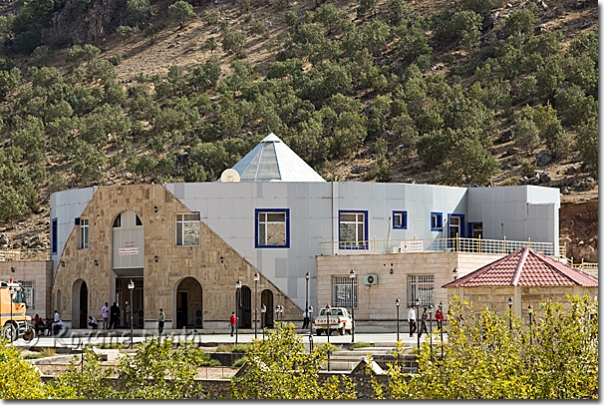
point(182, 305)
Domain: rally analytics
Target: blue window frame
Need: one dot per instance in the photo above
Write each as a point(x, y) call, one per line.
point(353, 229)
point(399, 219)
point(272, 228)
point(457, 226)
point(436, 221)
point(53, 237)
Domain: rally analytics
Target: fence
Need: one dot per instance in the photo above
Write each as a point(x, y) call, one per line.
point(468, 245)
point(19, 255)
point(589, 268)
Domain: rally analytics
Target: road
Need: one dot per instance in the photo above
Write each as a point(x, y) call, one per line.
point(78, 339)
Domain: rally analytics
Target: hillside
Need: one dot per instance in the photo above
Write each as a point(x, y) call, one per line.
point(424, 92)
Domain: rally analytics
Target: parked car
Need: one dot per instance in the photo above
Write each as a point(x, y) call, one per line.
point(339, 319)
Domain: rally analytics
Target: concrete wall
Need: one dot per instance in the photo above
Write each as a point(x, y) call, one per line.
point(157, 209)
point(38, 271)
point(377, 302)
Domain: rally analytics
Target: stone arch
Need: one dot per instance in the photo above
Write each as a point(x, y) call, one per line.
point(79, 304)
point(244, 307)
point(188, 304)
point(267, 299)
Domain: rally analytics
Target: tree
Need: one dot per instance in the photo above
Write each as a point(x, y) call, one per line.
point(181, 11)
point(587, 141)
point(78, 54)
point(279, 368)
point(138, 11)
point(526, 135)
point(468, 162)
point(557, 141)
point(234, 41)
point(9, 81)
point(484, 359)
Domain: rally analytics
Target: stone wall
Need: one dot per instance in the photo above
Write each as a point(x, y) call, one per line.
point(213, 263)
point(40, 273)
point(376, 303)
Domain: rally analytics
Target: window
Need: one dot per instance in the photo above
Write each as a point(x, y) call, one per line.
point(436, 221)
point(28, 292)
point(117, 222)
point(399, 220)
point(344, 292)
point(138, 221)
point(353, 230)
point(82, 233)
point(272, 228)
point(53, 237)
point(187, 229)
point(422, 287)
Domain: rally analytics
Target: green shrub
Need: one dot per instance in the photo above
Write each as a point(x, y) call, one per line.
point(32, 356)
point(358, 345)
point(240, 362)
point(48, 352)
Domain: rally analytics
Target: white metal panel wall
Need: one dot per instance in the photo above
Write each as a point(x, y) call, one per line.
point(66, 206)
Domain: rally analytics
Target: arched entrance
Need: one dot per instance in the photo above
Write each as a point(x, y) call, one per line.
point(267, 300)
point(79, 302)
point(244, 307)
point(189, 304)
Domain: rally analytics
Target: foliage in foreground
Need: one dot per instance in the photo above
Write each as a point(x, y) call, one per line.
point(280, 368)
point(485, 360)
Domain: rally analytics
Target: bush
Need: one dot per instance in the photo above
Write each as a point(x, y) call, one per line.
point(138, 11)
point(240, 362)
point(234, 41)
point(181, 11)
point(359, 345)
point(32, 356)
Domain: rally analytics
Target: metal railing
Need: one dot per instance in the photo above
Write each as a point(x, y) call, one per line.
point(20, 255)
point(468, 245)
point(589, 268)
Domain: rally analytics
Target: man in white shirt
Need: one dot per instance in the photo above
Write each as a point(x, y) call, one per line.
point(411, 319)
point(105, 313)
point(57, 325)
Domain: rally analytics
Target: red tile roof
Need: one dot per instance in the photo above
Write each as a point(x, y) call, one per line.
point(525, 267)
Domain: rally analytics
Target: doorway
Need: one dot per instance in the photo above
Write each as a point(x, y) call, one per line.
point(134, 298)
point(266, 299)
point(189, 304)
point(244, 307)
point(79, 306)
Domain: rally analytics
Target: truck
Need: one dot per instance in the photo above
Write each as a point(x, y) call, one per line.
point(339, 320)
point(14, 322)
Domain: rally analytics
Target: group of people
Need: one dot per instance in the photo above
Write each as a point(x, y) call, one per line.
point(48, 327)
point(411, 318)
point(111, 316)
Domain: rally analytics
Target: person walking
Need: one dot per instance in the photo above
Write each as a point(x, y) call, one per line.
point(423, 326)
point(306, 322)
point(160, 321)
point(37, 320)
point(439, 318)
point(232, 323)
point(127, 315)
point(105, 314)
point(115, 314)
point(411, 320)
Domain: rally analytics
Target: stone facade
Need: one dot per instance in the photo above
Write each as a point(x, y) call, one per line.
point(496, 297)
point(376, 303)
point(38, 272)
point(213, 263)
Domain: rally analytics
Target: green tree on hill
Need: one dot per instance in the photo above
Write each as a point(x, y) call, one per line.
point(181, 11)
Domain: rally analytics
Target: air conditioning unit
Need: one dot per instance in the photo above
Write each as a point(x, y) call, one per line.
point(370, 279)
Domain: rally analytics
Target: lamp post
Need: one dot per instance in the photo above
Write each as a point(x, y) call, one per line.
point(398, 305)
point(256, 278)
point(306, 307)
point(131, 288)
point(328, 312)
point(263, 311)
point(455, 273)
point(430, 310)
point(12, 327)
point(510, 303)
point(417, 302)
point(530, 313)
point(310, 318)
point(353, 277)
point(237, 288)
point(442, 327)
point(310, 342)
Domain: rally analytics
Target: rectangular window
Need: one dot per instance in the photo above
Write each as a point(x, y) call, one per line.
point(53, 236)
point(399, 220)
point(436, 221)
point(187, 229)
point(421, 287)
point(272, 227)
point(28, 292)
point(344, 292)
point(83, 234)
point(353, 230)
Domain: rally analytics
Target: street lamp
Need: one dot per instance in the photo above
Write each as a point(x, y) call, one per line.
point(430, 310)
point(306, 320)
point(417, 302)
point(310, 318)
point(263, 311)
point(131, 288)
point(442, 327)
point(353, 277)
point(12, 327)
point(455, 273)
point(510, 303)
point(237, 288)
point(328, 312)
point(530, 313)
point(398, 304)
point(310, 342)
point(256, 278)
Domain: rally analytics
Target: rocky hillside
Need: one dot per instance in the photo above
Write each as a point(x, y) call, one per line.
point(375, 89)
